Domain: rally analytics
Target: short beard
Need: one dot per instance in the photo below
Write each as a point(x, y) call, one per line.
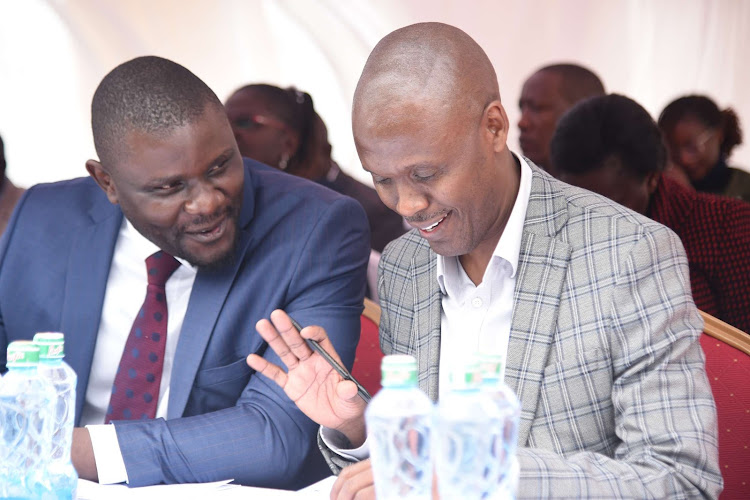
point(225, 260)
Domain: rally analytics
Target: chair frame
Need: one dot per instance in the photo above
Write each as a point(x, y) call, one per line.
point(725, 332)
point(372, 311)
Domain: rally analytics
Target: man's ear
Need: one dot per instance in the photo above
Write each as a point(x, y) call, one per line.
point(497, 125)
point(102, 177)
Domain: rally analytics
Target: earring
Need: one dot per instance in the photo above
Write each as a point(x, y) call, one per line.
point(284, 161)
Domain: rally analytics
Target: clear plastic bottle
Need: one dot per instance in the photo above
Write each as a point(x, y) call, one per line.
point(504, 447)
point(399, 421)
point(62, 475)
point(25, 406)
point(468, 426)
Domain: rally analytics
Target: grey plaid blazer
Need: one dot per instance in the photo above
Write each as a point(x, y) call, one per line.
point(603, 351)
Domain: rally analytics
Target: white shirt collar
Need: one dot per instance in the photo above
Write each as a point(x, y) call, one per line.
point(449, 274)
point(143, 247)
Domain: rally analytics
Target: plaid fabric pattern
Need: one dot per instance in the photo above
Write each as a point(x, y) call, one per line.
point(603, 352)
point(715, 232)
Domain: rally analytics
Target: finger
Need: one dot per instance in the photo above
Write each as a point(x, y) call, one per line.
point(366, 493)
point(269, 370)
point(355, 481)
point(271, 335)
point(319, 334)
point(291, 336)
point(347, 390)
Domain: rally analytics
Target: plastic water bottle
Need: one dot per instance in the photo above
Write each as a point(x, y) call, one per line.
point(504, 447)
point(399, 421)
point(25, 406)
point(468, 428)
point(62, 475)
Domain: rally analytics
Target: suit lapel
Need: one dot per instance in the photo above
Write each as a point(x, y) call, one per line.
point(542, 266)
point(87, 273)
point(207, 298)
point(427, 316)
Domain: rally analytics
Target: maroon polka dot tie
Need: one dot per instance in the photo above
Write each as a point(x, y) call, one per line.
point(135, 393)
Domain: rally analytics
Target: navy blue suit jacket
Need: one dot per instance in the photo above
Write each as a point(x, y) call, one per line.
point(303, 248)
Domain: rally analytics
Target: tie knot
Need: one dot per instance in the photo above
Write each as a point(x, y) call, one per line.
point(160, 267)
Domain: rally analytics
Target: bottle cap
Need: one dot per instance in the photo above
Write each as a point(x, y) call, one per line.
point(22, 354)
point(51, 345)
point(465, 376)
point(398, 370)
point(491, 365)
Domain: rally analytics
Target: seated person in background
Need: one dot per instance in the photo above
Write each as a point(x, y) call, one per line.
point(280, 127)
point(545, 96)
point(9, 194)
point(700, 139)
point(225, 241)
point(612, 146)
point(589, 301)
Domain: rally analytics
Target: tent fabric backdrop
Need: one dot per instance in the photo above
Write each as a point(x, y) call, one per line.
point(53, 53)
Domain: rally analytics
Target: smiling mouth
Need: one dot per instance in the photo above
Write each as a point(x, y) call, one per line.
point(210, 234)
point(433, 226)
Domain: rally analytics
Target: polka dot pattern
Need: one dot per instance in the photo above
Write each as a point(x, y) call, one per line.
point(136, 387)
point(728, 372)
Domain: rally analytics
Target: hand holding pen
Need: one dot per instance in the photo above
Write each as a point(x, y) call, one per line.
point(317, 386)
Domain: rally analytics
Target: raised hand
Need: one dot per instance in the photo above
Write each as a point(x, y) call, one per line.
point(310, 381)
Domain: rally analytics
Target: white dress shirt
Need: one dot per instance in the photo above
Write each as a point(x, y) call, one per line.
point(123, 298)
point(477, 319)
point(474, 319)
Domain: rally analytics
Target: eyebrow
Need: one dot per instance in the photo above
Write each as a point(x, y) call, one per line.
point(225, 155)
point(410, 168)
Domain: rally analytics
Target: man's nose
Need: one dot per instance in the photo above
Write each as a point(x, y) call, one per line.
point(410, 201)
point(205, 199)
point(523, 122)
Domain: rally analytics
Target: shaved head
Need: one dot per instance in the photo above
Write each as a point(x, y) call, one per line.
point(430, 65)
point(431, 130)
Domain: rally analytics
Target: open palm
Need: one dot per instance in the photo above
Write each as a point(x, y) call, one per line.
point(314, 386)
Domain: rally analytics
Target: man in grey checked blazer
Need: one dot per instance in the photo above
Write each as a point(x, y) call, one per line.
point(602, 351)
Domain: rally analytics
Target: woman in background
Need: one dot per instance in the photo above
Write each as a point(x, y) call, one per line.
point(700, 138)
point(281, 128)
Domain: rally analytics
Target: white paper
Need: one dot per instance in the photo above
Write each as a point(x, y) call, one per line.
point(88, 490)
point(320, 490)
point(222, 490)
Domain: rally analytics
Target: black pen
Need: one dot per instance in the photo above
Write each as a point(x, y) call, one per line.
point(336, 366)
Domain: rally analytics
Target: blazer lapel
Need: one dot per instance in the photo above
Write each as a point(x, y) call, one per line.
point(87, 273)
point(207, 298)
point(427, 314)
point(542, 266)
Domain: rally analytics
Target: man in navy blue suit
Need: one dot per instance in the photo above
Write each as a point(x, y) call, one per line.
point(247, 239)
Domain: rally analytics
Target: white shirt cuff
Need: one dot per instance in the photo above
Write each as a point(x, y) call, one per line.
point(109, 463)
point(337, 443)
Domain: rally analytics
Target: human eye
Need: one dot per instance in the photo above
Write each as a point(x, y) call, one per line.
point(424, 175)
point(380, 181)
point(246, 123)
point(166, 188)
point(218, 167)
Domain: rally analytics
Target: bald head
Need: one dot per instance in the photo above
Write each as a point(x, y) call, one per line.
point(424, 65)
point(430, 128)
